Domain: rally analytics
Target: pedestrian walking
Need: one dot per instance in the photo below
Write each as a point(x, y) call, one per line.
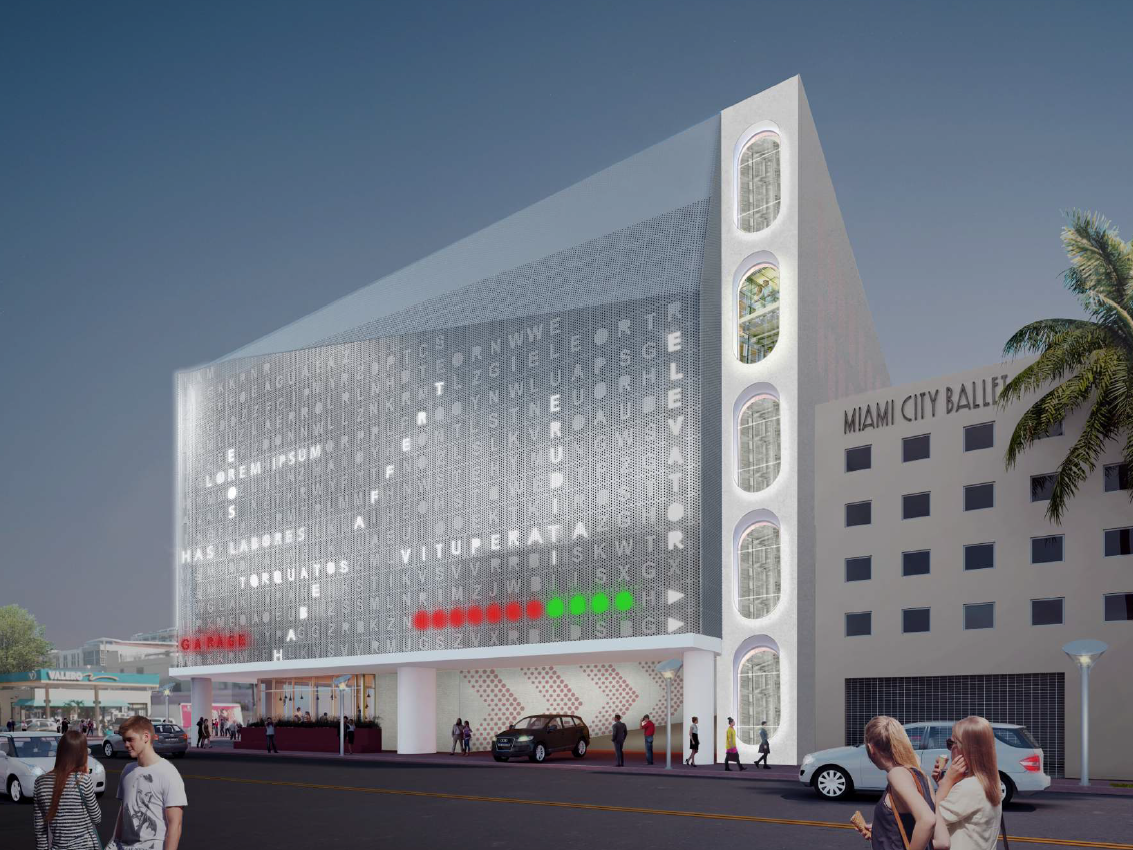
point(269, 733)
point(905, 815)
point(349, 734)
point(457, 735)
point(151, 792)
point(693, 742)
point(618, 735)
point(731, 751)
point(650, 729)
point(466, 737)
point(764, 747)
point(202, 735)
point(969, 807)
point(66, 809)
point(63, 726)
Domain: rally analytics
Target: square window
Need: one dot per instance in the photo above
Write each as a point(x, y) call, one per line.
point(1041, 487)
point(979, 616)
point(859, 513)
point(980, 436)
point(1046, 550)
point(915, 563)
point(915, 505)
point(914, 620)
point(859, 569)
point(1054, 430)
point(1118, 606)
point(859, 623)
point(1118, 541)
point(1117, 477)
point(979, 556)
point(1046, 612)
point(915, 448)
point(859, 458)
point(979, 496)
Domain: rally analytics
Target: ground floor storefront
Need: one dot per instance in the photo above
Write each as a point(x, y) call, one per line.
point(74, 695)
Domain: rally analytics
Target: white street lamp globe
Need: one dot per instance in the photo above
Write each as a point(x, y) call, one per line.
point(1085, 653)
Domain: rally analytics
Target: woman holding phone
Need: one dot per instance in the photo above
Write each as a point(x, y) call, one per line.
point(905, 817)
point(969, 805)
point(66, 808)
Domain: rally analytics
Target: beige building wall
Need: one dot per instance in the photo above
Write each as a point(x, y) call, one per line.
point(1013, 645)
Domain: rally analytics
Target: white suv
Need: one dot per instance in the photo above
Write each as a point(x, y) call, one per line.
point(836, 772)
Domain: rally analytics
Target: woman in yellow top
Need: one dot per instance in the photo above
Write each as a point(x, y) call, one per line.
point(733, 753)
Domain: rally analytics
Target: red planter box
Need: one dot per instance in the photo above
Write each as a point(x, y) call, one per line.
point(319, 739)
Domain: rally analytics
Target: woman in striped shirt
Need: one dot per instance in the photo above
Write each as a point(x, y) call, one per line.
point(66, 809)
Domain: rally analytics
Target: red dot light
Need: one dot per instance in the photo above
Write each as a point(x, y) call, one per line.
point(514, 611)
point(475, 615)
point(494, 614)
point(421, 620)
point(534, 609)
point(440, 618)
point(456, 617)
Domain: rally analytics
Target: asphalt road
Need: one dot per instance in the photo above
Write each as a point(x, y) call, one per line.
point(239, 802)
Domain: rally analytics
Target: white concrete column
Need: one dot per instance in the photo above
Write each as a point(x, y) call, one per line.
point(201, 699)
point(699, 673)
point(416, 710)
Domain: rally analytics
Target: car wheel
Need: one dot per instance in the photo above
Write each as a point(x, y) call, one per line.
point(833, 783)
point(499, 757)
point(15, 792)
point(539, 754)
point(108, 749)
point(580, 749)
point(1006, 789)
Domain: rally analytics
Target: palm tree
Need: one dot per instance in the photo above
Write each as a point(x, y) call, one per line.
point(1082, 362)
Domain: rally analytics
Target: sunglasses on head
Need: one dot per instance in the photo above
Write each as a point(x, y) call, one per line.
point(953, 742)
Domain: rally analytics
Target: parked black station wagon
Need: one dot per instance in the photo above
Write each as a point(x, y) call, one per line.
point(540, 735)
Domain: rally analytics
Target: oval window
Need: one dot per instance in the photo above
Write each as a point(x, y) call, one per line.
point(758, 690)
point(758, 573)
point(757, 313)
point(759, 192)
point(758, 452)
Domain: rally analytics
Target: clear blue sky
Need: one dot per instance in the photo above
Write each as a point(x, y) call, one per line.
point(179, 180)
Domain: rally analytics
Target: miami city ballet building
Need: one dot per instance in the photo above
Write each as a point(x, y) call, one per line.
point(514, 476)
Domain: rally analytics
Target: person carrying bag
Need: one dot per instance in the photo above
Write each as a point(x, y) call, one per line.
point(66, 809)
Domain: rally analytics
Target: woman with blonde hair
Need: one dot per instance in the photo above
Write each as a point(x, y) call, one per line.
point(969, 802)
point(904, 818)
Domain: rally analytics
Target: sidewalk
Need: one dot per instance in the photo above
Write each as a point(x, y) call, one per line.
point(601, 761)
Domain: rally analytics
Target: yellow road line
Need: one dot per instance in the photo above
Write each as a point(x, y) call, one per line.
point(559, 804)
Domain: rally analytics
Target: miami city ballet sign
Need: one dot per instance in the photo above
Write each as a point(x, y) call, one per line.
point(926, 404)
point(528, 480)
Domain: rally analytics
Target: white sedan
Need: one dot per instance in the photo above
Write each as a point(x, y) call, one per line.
point(836, 772)
point(25, 756)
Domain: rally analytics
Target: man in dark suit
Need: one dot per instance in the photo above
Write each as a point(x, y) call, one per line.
point(619, 735)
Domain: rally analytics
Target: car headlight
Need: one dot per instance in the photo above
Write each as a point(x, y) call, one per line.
point(97, 768)
point(807, 759)
point(36, 770)
point(524, 738)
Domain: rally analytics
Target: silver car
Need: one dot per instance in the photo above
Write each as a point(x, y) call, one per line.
point(171, 740)
point(25, 756)
point(836, 772)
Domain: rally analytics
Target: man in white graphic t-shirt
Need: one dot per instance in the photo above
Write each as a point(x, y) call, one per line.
point(152, 794)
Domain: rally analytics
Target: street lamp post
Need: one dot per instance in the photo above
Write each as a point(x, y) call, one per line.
point(1085, 653)
point(669, 669)
point(340, 683)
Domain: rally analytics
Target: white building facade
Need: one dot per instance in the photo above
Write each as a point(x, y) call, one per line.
point(942, 589)
point(516, 475)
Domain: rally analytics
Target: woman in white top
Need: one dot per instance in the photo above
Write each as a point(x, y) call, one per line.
point(968, 803)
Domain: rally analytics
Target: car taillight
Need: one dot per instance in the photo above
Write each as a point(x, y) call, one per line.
point(184, 737)
point(1034, 763)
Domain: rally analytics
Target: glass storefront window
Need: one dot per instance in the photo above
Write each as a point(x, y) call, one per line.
point(757, 313)
point(317, 698)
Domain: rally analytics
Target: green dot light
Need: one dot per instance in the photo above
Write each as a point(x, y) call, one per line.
point(599, 602)
point(555, 607)
point(623, 601)
point(578, 605)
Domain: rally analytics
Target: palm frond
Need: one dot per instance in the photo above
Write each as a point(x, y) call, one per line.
point(1063, 354)
point(1100, 260)
point(1038, 335)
